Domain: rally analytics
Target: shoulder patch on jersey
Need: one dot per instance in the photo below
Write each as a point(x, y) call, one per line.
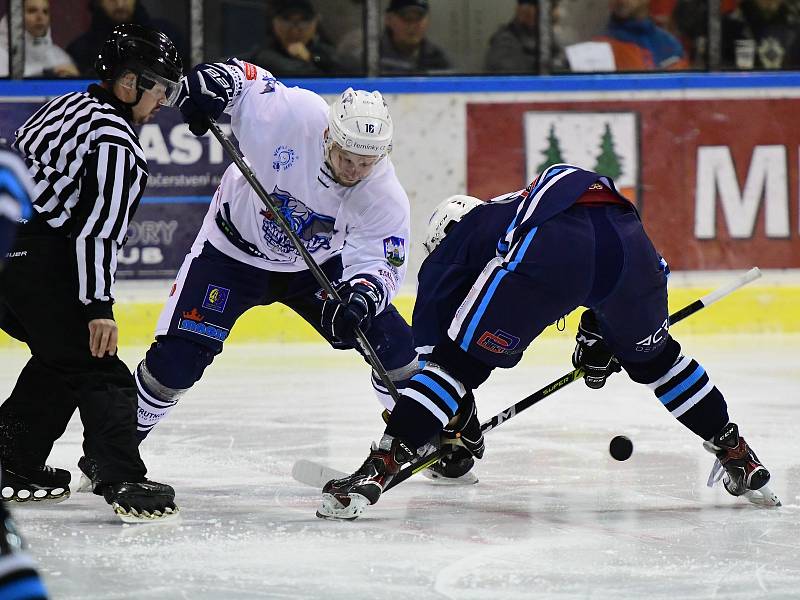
point(250, 71)
point(394, 249)
point(269, 84)
point(283, 158)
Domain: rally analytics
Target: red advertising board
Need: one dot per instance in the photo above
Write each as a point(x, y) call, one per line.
point(716, 180)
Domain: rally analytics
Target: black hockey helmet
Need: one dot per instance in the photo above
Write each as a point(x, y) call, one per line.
point(144, 51)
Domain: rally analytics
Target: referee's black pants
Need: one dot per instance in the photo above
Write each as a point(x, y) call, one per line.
point(39, 306)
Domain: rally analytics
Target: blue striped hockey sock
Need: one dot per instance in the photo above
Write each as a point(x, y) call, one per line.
point(429, 401)
point(688, 394)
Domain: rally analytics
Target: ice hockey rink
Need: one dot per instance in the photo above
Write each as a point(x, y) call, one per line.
point(553, 516)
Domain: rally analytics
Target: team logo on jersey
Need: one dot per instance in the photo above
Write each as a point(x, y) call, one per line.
point(216, 297)
point(315, 230)
point(498, 342)
point(283, 158)
point(394, 249)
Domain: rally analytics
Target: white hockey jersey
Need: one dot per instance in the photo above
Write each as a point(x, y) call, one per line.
point(280, 132)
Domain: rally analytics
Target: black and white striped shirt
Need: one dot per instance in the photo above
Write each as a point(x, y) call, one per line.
point(89, 172)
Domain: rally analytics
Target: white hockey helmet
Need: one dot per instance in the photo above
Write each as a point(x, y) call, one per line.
point(444, 216)
point(360, 123)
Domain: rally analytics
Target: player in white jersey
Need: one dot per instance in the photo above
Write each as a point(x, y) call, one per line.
point(328, 171)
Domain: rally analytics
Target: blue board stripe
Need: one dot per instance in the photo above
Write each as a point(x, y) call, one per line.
point(444, 85)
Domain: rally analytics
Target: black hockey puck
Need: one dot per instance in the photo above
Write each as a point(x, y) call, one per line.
point(620, 448)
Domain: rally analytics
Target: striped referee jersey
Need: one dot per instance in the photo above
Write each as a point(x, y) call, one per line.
point(89, 174)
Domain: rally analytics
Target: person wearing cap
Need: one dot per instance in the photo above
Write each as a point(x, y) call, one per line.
point(514, 47)
point(404, 47)
point(329, 172)
point(295, 47)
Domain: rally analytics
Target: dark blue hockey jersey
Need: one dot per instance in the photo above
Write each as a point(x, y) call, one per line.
point(485, 232)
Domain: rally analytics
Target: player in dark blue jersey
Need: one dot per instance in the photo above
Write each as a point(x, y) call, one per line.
point(18, 576)
point(502, 274)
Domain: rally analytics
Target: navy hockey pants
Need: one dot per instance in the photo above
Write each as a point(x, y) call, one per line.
point(214, 290)
point(594, 256)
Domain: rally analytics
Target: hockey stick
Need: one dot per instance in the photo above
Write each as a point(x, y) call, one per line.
point(316, 474)
point(422, 463)
point(318, 273)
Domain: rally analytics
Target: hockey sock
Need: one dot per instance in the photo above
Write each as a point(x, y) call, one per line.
point(689, 395)
point(400, 377)
point(155, 400)
point(427, 404)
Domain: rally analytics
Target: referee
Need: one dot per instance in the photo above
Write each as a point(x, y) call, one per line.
point(56, 294)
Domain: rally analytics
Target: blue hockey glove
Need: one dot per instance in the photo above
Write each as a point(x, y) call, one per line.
point(205, 92)
point(592, 354)
point(360, 300)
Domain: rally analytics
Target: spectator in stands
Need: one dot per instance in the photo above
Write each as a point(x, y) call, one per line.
point(514, 47)
point(42, 57)
point(772, 30)
point(107, 14)
point(404, 46)
point(637, 42)
point(296, 46)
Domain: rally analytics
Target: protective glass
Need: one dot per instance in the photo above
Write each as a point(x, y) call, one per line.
point(160, 87)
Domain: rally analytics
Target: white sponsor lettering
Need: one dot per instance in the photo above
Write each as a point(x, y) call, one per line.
point(183, 147)
point(767, 178)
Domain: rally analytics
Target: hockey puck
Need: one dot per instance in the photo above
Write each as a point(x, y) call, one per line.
point(620, 448)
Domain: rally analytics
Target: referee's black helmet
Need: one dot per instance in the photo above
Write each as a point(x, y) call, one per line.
point(138, 48)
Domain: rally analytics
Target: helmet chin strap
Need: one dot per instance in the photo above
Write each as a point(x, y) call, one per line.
point(139, 94)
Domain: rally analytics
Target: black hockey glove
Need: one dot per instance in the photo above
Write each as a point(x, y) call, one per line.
point(360, 300)
point(205, 92)
point(592, 354)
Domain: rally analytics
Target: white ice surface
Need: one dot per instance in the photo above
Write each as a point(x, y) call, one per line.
point(552, 517)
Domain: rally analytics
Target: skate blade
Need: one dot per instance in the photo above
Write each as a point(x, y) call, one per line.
point(468, 478)
point(85, 485)
point(133, 516)
point(332, 508)
point(38, 497)
point(763, 496)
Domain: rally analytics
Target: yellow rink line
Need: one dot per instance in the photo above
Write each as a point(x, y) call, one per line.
point(753, 309)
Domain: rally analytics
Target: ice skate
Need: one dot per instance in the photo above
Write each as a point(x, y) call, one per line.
point(137, 502)
point(463, 441)
point(88, 479)
point(738, 466)
point(455, 468)
point(45, 485)
point(347, 498)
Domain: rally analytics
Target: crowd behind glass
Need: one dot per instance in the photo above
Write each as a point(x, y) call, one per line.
point(328, 38)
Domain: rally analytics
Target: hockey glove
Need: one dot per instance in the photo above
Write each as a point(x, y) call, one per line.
point(360, 300)
point(205, 93)
point(592, 354)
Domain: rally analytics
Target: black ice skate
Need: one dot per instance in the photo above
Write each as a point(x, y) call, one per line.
point(89, 479)
point(741, 472)
point(135, 502)
point(463, 441)
point(346, 498)
point(46, 485)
